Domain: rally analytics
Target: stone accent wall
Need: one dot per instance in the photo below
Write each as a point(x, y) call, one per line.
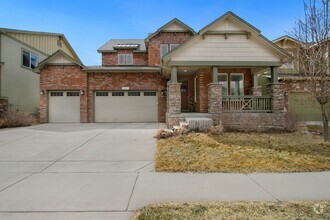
point(111, 58)
point(215, 101)
point(54, 78)
point(173, 103)
point(164, 38)
point(135, 81)
point(3, 107)
point(246, 122)
point(276, 90)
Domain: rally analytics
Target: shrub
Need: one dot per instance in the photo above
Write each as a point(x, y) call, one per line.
point(164, 133)
point(18, 119)
point(291, 122)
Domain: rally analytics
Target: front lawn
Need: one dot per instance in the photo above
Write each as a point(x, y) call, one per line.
point(236, 210)
point(243, 152)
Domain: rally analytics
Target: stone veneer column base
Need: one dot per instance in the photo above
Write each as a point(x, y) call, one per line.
point(173, 104)
point(276, 90)
point(215, 101)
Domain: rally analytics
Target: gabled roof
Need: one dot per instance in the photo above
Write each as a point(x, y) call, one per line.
point(286, 37)
point(115, 43)
point(230, 14)
point(223, 17)
point(62, 36)
point(57, 53)
point(174, 20)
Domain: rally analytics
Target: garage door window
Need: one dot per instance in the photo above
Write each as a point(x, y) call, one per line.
point(72, 94)
point(149, 93)
point(133, 93)
point(117, 93)
point(102, 94)
point(56, 94)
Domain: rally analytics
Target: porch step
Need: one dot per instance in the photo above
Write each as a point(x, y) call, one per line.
point(197, 115)
point(199, 123)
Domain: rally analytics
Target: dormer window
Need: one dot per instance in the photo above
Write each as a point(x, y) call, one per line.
point(125, 59)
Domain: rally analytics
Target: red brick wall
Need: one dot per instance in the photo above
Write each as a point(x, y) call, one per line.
point(111, 59)
point(135, 81)
point(204, 78)
point(163, 38)
point(62, 78)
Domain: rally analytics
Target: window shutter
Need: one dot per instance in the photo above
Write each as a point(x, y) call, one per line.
point(163, 49)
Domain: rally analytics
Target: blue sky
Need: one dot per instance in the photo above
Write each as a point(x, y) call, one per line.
point(89, 24)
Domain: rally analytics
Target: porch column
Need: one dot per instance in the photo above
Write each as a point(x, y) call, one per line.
point(274, 74)
point(256, 90)
point(174, 74)
point(215, 101)
point(214, 74)
point(173, 104)
point(276, 91)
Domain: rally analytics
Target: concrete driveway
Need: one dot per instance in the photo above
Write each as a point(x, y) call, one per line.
point(104, 171)
point(68, 168)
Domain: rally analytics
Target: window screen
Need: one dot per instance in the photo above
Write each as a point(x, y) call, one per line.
point(121, 59)
point(129, 59)
point(163, 49)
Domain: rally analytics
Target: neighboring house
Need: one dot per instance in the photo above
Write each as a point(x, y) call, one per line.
point(174, 74)
point(20, 52)
point(298, 100)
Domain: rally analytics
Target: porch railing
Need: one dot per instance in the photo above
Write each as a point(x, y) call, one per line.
point(247, 103)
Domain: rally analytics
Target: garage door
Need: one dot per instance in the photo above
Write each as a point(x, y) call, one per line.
point(126, 106)
point(64, 106)
point(304, 106)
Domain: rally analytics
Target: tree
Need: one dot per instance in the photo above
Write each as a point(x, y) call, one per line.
point(312, 54)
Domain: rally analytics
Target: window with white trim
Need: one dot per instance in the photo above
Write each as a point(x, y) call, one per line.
point(163, 49)
point(172, 46)
point(125, 59)
point(29, 60)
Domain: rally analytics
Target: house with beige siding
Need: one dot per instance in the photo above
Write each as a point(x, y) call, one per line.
point(20, 53)
point(175, 75)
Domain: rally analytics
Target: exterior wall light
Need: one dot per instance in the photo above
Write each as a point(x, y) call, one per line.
point(81, 92)
point(42, 92)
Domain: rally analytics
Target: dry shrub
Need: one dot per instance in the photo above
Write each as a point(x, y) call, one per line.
point(164, 133)
point(18, 119)
point(216, 130)
point(291, 122)
point(181, 131)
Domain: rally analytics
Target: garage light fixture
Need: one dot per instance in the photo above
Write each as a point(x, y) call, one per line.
point(42, 92)
point(81, 92)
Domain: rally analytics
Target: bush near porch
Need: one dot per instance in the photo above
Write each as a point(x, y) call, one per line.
point(243, 152)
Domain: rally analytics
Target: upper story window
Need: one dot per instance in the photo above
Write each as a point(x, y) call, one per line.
point(125, 59)
point(29, 60)
point(164, 48)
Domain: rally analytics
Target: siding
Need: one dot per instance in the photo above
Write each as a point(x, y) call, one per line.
point(44, 43)
point(20, 85)
point(217, 48)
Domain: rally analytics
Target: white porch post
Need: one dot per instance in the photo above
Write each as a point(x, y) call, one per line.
point(174, 74)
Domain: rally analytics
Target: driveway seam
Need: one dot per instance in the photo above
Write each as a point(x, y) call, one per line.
point(17, 182)
point(144, 166)
point(129, 201)
point(74, 149)
point(263, 188)
point(10, 142)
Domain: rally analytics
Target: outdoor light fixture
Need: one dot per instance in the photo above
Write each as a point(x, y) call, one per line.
point(185, 71)
point(81, 92)
point(42, 92)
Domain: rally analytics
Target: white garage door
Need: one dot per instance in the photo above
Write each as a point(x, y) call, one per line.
point(64, 106)
point(126, 106)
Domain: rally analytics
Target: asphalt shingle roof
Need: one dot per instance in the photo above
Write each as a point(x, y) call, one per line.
point(109, 46)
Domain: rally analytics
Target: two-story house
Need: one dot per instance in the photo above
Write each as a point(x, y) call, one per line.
point(172, 75)
point(20, 53)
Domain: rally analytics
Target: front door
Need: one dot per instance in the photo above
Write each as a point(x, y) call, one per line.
point(184, 96)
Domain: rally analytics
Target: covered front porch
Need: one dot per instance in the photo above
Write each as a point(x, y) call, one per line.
point(227, 95)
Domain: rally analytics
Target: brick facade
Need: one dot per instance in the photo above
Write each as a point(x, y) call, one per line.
point(55, 78)
point(163, 38)
point(111, 58)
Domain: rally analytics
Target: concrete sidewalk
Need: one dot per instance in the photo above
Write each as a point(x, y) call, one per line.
point(105, 171)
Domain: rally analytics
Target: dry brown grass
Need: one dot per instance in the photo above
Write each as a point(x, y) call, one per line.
point(236, 210)
point(18, 119)
point(242, 152)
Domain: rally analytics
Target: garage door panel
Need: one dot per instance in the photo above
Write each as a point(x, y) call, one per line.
point(64, 106)
point(126, 108)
